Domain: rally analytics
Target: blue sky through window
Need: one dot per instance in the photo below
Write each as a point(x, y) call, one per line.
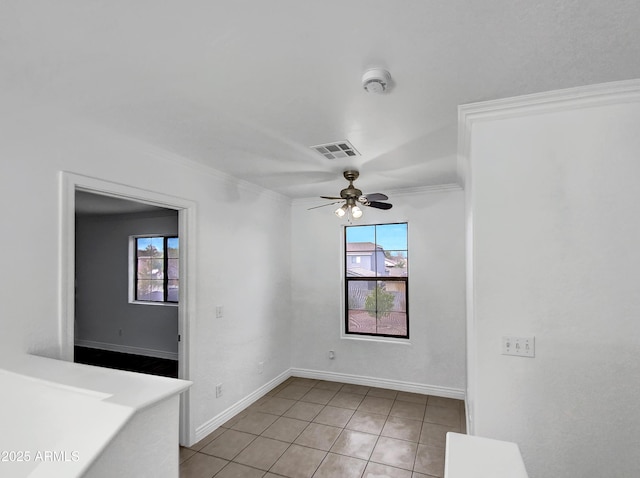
point(392, 237)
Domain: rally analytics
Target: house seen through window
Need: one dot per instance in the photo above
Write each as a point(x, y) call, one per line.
point(156, 269)
point(376, 280)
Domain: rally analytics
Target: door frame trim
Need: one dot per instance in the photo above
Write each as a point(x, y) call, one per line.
point(69, 184)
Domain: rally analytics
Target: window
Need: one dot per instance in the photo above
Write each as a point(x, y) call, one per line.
point(376, 282)
point(156, 269)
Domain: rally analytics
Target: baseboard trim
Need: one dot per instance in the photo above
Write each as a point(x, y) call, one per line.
point(203, 430)
point(401, 386)
point(127, 349)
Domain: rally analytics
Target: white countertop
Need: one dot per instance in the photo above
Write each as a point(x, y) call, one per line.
point(71, 410)
point(470, 456)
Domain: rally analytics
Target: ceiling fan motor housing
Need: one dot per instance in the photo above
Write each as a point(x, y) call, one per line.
point(351, 191)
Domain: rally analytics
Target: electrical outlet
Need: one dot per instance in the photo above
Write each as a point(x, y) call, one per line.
point(219, 312)
point(519, 346)
point(218, 390)
point(332, 354)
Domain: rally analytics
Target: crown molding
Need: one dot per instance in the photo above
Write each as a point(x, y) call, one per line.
point(537, 103)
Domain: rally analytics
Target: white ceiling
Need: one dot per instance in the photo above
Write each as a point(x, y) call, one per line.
point(248, 86)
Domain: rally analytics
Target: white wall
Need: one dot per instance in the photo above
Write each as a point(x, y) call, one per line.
point(242, 237)
point(556, 228)
point(104, 317)
point(434, 359)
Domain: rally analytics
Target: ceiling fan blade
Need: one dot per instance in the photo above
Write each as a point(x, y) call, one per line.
point(379, 205)
point(324, 205)
point(376, 197)
point(330, 197)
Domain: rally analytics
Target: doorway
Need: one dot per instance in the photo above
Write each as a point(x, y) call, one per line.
point(70, 184)
point(127, 284)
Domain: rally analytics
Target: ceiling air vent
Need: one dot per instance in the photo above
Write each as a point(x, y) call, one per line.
point(339, 149)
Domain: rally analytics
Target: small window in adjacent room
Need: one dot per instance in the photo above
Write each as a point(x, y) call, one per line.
point(376, 282)
point(156, 269)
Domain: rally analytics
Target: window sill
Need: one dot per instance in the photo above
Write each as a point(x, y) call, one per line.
point(162, 304)
point(372, 338)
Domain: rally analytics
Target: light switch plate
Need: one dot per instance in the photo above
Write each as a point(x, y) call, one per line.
point(519, 346)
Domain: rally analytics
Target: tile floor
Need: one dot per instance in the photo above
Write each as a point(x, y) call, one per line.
point(311, 428)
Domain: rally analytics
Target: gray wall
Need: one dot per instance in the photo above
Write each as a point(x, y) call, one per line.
point(104, 316)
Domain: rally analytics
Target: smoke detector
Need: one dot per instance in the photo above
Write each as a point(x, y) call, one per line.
point(376, 80)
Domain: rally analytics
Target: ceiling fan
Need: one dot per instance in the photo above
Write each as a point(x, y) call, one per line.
point(353, 197)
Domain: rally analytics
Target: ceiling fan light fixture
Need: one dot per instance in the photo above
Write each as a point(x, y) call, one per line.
point(356, 212)
point(341, 211)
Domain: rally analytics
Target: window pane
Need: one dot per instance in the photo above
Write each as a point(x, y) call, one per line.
point(157, 269)
point(361, 234)
point(359, 320)
point(172, 268)
point(150, 290)
point(392, 237)
point(391, 311)
point(396, 263)
point(377, 308)
point(144, 268)
point(158, 244)
point(172, 247)
point(172, 291)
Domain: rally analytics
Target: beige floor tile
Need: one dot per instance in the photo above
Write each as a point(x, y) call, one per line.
point(185, 454)
point(433, 434)
point(201, 466)
point(445, 402)
point(346, 400)
point(359, 389)
point(285, 429)
point(318, 395)
point(298, 462)
point(393, 452)
point(382, 393)
point(412, 397)
point(376, 470)
point(340, 466)
point(262, 453)
point(304, 411)
point(229, 444)
point(276, 390)
point(415, 475)
point(355, 444)
point(334, 416)
point(442, 416)
point(366, 422)
point(321, 437)
point(402, 428)
point(414, 411)
point(275, 405)
point(237, 417)
point(380, 406)
point(326, 385)
point(305, 382)
point(255, 423)
point(208, 439)
point(430, 460)
point(294, 392)
point(235, 470)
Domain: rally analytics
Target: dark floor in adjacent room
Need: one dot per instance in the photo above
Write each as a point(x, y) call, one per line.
point(130, 362)
point(311, 428)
